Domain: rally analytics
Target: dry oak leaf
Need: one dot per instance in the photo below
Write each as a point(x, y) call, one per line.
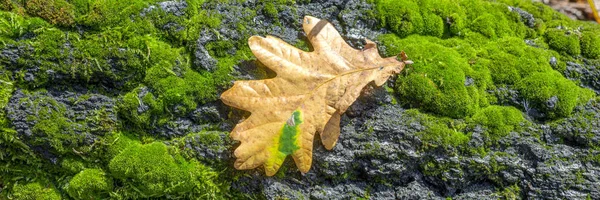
point(308, 95)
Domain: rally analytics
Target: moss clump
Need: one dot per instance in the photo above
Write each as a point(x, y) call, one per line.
point(151, 171)
point(590, 44)
point(451, 14)
point(498, 120)
point(401, 16)
point(90, 184)
point(433, 25)
point(72, 165)
point(35, 191)
point(118, 142)
point(58, 12)
point(552, 94)
point(488, 25)
point(439, 81)
point(565, 42)
point(510, 60)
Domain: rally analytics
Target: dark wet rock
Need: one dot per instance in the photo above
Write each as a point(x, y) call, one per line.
point(553, 62)
point(508, 96)
point(469, 81)
point(176, 8)
point(209, 147)
point(204, 117)
point(570, 129)
point(587, 72)
point(11, 53)
point(202, 59)
point(551, 103)
point(526, 17)
point(378, 148)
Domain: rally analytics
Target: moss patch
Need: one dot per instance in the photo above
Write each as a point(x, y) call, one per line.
point(565, 42)
point(590, 44)
point(553, 94)
point(59, 12)
point(90, 184)
point(35, 191)
point(498, 120)
point(442, 81)
point(151, 171)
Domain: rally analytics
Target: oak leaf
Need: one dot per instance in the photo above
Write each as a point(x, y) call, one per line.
point(308, 95)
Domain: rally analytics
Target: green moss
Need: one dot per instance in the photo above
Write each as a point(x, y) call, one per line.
point(58, 12)
point(552, 94)
point(270, 10)
point(440, 131)
point(35, 191)
point(219, 48)
point(117, 142)
point(511, 192)
point(498, 120)
point(590, 44)
point(151, 171)
point(82, 7)
point(6, 90)
point(510, 60)
point(15, 25)
point(451, 13)
point(72, 165)
point(438, 82)
point(90, 184)
point(402, 20)
point(53, 127)
point(486, 25)
point(433, 25)
point(112, 12)
point(565, 42)
point(441, 168)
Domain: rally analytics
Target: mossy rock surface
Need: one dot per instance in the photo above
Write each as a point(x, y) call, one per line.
point(111, 99)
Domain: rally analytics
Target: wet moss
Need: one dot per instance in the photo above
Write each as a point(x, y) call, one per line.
point(89, 184)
